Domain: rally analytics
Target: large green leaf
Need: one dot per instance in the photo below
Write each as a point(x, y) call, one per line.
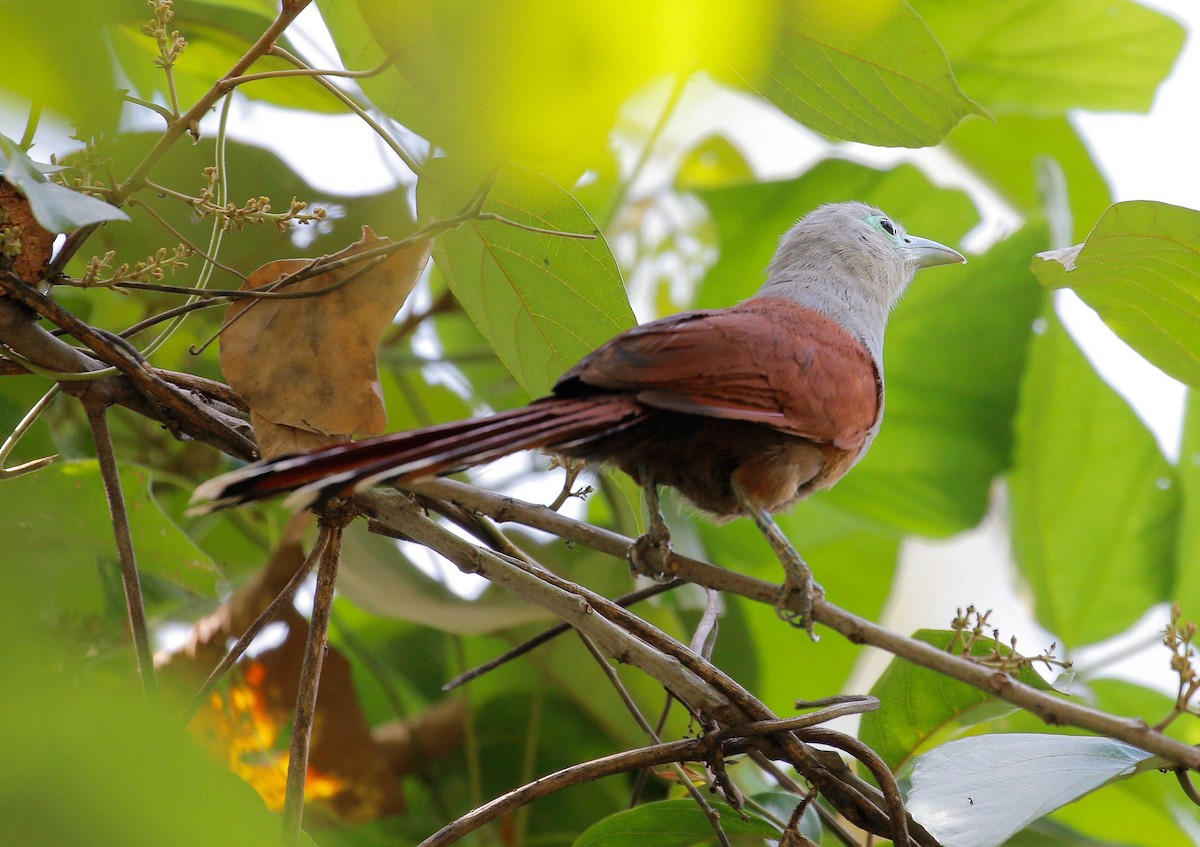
point(671, 823)
point(1094, 503)
point(921, 706)
point(867, 71)
point(955, 352)
point(543, 301)
point(976, 792)
point(1187, 586)
point(1014, 155)
point(1055, 55)
point(1140, 269)
point(58, 518)
point(61, 61)
point(89, 763)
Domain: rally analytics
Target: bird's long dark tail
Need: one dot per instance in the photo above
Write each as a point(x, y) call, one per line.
point(340, 470)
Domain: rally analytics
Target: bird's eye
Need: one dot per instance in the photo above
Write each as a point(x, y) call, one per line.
point(887, 226)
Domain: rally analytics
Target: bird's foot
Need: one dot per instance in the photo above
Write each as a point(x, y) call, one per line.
point(797, 595)
point(650, 554)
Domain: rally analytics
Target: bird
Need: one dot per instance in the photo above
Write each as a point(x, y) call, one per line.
point(744, 410)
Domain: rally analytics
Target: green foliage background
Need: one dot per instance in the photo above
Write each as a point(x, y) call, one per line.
point(989, 399)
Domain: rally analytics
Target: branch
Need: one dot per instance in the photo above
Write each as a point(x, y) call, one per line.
point(331, 525)
point(184, 123)
point(627, 638)
point(692, 750)
point(97, 418)
point(151, 396)
point(1050, 708)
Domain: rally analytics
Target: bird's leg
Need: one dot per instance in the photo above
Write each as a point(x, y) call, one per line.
point(650, 554)
point(798, 578)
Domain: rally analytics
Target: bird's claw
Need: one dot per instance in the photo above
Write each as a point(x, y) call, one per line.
point(795, 601)
point(650, 554)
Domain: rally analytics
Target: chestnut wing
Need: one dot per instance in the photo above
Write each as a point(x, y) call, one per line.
point(767, 361)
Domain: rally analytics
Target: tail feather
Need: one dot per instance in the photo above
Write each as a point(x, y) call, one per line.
point(345, 468)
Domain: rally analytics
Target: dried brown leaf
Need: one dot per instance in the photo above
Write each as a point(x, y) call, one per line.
point(309, 364)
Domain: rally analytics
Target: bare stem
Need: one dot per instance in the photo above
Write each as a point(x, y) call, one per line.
point(281, 601)
point(1051, 708)
point(98, 420)
point(310, 680)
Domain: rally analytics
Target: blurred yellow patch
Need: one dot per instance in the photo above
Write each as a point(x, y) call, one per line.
point(240, 729)
point(842, 21)
point(542, 80)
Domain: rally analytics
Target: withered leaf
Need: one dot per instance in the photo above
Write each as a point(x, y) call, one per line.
point(308, 364)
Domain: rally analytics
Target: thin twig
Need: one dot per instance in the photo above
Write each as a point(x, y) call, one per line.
point(346, 100)
point(281, 601)
point(1048, 706)
point(553, 632)
point(691, 750)
point(711, 814)
point(186, 122)
point(878, 769)
point(31, 125)
point(18, 433)
point(307, 71)
point(98, 420)
point(168, 314)
point(678, 84)
point(1189, 787)
point(310, 676)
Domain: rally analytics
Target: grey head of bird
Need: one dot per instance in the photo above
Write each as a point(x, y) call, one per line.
point(852, 262)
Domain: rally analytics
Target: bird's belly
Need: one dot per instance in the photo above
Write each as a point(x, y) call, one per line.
point(701, 457)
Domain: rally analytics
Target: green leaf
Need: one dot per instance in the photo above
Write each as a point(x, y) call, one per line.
point(1140, 269)
point(58, 517)
point(869, 72)
point(543, 301)
point(56, 208)
point(976, 792)
point(921, 706)
point(1049, 833)
point(670, 823)
point(93, 764)
point(1010, 155)
point(62, 61)
point(954, 355)
point(1055, 55)
point(1094, 503)
point(1187, 585)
